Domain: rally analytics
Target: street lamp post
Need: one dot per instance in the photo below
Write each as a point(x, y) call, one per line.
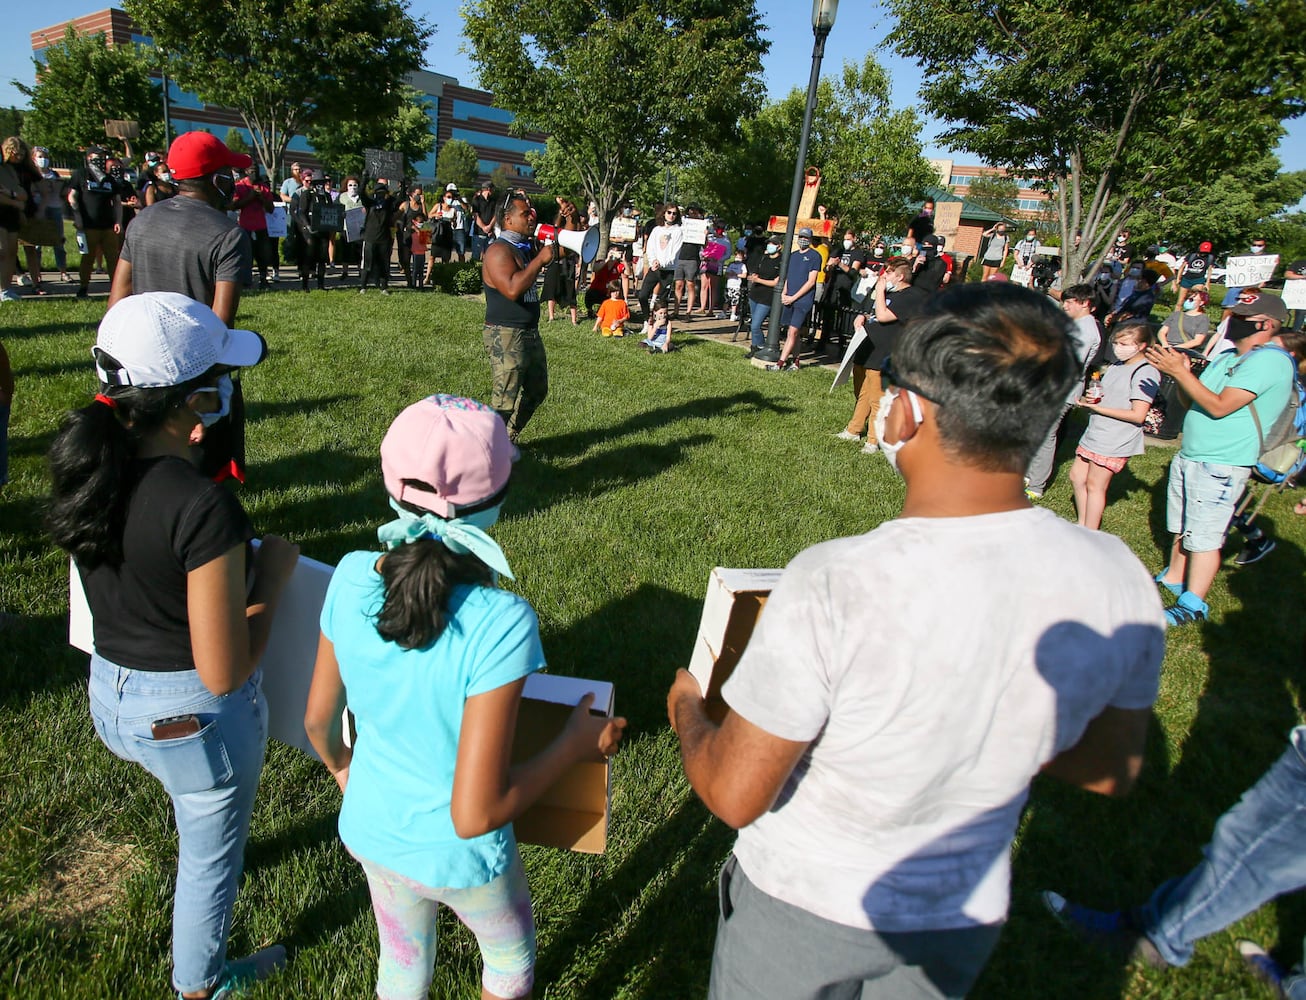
point(823, 12)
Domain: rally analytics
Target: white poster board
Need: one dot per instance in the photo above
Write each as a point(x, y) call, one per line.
point(694, 231)
point(288, 660)
point(623, 230)
point(354, 218)
point(1294, 293)
point(846, 365)
point(1251, 269)
point(1021, 276)
point(276, 222)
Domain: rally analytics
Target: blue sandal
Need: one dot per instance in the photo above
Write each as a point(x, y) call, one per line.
point(1188, 609)
point(1174, 588)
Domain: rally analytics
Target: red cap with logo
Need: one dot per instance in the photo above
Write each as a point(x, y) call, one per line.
point(198, 154)
point(1204, 246)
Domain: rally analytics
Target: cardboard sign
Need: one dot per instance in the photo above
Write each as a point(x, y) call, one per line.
point(735, 598)
point(947, 218)
point(354, 218)
point(846, 365)
point(330, 218)
point(623, 230)
point(1252, 269)
point(694, 231)
point(1021, 275)
point(276, 222)
point(573, 814)
point(819, 227)
point(383, 163)
point(287, 662)
point(1294, 293)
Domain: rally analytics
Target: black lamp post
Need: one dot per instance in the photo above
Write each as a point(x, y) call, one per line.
point(823, 12)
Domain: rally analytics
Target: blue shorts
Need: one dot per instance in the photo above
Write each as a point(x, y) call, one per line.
point(1200, 501)
point(796, 315)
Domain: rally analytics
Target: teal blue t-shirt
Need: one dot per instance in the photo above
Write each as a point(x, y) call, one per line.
point(408, 709)
point(1232, 439)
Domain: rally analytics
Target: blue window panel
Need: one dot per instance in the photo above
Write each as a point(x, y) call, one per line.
point(502, 142)
point(467, 110)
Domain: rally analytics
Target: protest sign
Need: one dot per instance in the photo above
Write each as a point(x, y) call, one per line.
point(846, 365)
point(383, 163)
point(623, 230)
point(354, 218)
point(1294, 294)
point(276, 222)
point(1250, 269)
point(694, 231)
point(331, 218)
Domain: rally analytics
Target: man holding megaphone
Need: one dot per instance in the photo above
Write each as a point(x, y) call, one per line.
point(512, 315)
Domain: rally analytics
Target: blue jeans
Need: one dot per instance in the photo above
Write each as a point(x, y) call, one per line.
point(211, 778)
point(480, 243)
point(1255, 855)
point(761, 310)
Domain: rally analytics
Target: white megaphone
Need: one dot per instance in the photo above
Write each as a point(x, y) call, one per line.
point(586, 243)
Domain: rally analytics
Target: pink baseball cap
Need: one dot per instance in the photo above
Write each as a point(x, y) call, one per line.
point(446, 454)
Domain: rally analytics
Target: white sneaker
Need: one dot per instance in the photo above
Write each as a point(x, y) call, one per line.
point(870, 448)
point(848, 436)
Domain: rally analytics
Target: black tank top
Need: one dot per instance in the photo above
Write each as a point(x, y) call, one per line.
point(500, 310)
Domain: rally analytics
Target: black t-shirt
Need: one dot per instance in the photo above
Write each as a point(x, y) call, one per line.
point(762, 266)
point(94, 200)
point(905, 304)
point(920, 227)
point(177, 521)
point(844, 280)
point(929, 276)
point(379, 218)
point(1296, 267)
point(1196, 268)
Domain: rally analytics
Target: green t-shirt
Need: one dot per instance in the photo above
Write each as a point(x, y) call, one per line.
point(1232, 439)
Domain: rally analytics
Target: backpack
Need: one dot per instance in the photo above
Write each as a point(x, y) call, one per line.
point(1282, 455)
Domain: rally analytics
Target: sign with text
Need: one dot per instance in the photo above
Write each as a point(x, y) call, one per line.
point(694, 230)
point(354, 219)
point(276, 222)
point(623, 230)
point(1251, 269)
point(1294, 293)
point(383, 163)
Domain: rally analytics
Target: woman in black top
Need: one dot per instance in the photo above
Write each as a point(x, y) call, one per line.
point(165, 559)
point(560, 275)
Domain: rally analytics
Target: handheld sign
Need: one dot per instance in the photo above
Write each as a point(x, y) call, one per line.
point(331, 218)
point(694, 230)
point(1250, 269)
point(1294, 293)
point(383, 163)
point(623, 230)
point(276, 222)
point(354, 218)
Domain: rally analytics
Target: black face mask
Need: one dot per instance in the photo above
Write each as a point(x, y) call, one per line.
point(1240, 328)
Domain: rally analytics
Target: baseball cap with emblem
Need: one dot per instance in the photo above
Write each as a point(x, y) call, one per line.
point(1254, 302)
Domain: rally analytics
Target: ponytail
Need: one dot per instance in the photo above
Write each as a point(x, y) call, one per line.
point(419, 578)
point(89, 469)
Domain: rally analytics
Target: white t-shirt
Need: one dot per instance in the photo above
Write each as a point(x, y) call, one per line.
point(935, 664)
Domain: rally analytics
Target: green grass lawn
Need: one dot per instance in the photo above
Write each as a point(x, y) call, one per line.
point(640, 474)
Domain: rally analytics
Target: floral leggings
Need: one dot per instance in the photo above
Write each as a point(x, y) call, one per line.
point(498, 914)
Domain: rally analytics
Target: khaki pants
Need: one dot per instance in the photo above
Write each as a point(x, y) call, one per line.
point(97, 240)
point(866, 383)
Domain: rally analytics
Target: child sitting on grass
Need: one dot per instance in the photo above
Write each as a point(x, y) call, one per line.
point(1115, 430)
point(432, 657)
point(613, 313)
point(657, 332)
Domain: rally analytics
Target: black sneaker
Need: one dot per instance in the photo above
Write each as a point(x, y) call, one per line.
point(82, 293)
point(1254, 550)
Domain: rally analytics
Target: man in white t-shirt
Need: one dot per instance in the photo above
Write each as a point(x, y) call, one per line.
point(903, 687)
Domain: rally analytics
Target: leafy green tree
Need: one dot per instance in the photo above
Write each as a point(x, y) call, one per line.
point(1103, 100)
point(340, 144)
point(502, 178)
point(236, 141)
point(1228, 211)
point(868, 154)
point(654, 81)
point(83, 82)
point(11, 122)
point(286, 67)
point(457, 164)
point(997, 194)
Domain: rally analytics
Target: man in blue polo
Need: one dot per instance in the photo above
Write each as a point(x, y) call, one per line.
point(798, 299)
point(1234, 403)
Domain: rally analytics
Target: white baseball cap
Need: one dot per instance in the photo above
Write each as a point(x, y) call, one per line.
point(451, 187)
point(164, 338)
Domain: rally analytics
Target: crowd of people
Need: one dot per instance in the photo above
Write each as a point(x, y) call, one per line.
point(873, 858)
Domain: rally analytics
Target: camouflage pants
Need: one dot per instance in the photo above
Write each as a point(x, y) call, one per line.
point(520, 372)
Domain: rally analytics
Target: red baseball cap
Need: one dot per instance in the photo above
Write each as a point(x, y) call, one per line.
point(1204, 246)
point(198, 154)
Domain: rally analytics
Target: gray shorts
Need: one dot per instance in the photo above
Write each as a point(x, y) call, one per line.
point(1200, 501)
point(686, 270)
point(767, 948)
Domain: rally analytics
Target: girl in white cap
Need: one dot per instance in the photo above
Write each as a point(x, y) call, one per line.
point(164, 556)
point(432, 658)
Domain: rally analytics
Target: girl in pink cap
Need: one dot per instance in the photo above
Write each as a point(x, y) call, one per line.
point(431, 658)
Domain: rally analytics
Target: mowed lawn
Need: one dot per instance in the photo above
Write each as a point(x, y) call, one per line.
point(639, 474)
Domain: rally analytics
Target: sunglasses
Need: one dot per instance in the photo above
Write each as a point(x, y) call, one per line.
point(890, 380)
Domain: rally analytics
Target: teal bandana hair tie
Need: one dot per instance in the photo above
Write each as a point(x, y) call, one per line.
point(458, 534)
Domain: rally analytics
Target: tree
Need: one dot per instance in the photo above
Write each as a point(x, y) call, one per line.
point(83, 82)
point(458, 164)
point(11, 122)
point(236, 141)
point(340, 144)
point(997, 194)
point(687, 70)
point(1228, 211)
point(1101, 101)
point(286, 67)
point(868, 154)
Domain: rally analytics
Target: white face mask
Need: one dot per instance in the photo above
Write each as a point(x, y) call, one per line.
point(879, 251)
point(1256, 249)
point(224, 390)
point(847, 244)
point(890, 450)
point(1125, 352)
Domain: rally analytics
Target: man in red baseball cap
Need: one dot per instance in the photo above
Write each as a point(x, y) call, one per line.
point(1194, 270)
point(187, 244)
